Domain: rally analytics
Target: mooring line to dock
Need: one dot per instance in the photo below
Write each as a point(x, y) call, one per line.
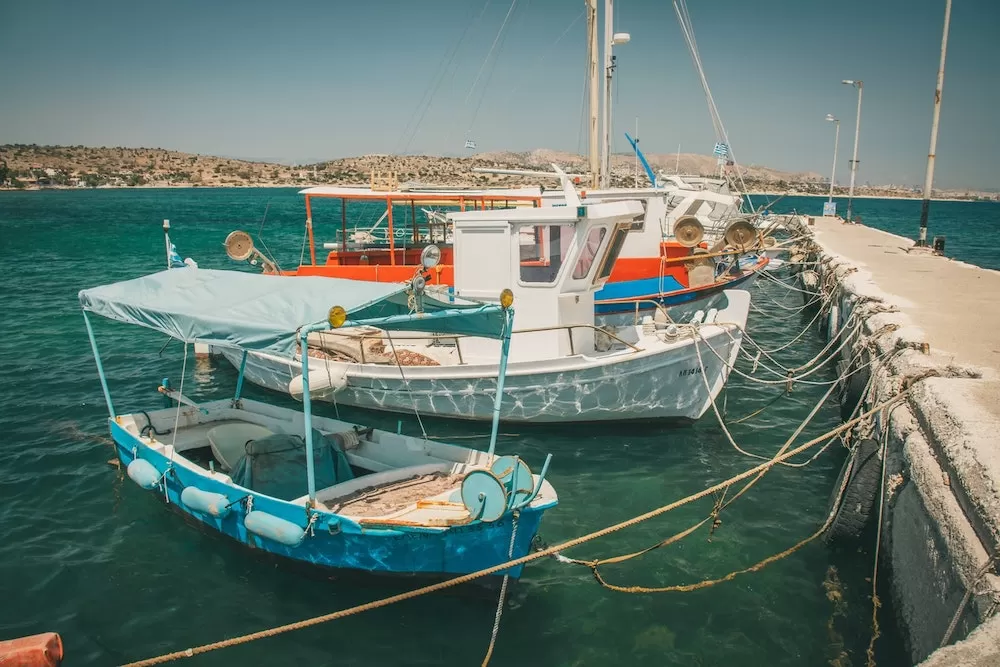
point(550, 551)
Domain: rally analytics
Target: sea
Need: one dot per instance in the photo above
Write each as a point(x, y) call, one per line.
point(89, 555)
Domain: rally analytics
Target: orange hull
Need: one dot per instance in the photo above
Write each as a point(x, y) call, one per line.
point(376, 265)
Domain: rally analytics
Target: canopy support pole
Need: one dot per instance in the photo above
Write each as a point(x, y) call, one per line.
point(498, 399)
point(239, 381)
point(100, 367)
point(307, 410)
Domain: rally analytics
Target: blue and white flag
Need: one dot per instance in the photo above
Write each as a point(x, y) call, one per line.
point(721, 150)
point(174, 260)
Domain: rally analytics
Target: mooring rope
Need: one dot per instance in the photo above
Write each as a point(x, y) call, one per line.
point(550, 551)
point(503, 592)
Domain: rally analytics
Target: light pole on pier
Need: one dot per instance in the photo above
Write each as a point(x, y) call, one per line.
point(836, 144)
point(857, 133)
point(929, 179)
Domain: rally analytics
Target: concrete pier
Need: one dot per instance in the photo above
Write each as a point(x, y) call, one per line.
point(933, 323)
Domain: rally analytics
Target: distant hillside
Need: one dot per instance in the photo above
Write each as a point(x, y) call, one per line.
point(82, 166)
point(32, 166)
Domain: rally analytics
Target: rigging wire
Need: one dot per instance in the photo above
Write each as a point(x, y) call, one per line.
point(490, 53)
point(687, 28)
point(502, 37)
point(411, 127)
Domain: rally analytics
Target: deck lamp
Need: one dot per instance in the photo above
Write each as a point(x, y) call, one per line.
point(430, 257)
point(506, 298)
point(336, 317)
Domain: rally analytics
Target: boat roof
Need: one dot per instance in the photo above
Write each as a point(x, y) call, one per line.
point(427, 192)
point(265, 312)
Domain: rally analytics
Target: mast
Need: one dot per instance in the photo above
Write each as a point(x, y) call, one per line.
point(594, 154)
point(609, 60)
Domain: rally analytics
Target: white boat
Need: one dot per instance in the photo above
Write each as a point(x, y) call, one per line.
point(561, 367)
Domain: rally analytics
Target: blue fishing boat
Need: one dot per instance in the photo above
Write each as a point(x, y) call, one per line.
point(315, 489)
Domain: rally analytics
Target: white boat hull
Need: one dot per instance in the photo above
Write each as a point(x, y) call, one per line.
point(664, 380)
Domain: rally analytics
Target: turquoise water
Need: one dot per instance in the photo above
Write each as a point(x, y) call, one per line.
point(104, 564)
point(969, 228)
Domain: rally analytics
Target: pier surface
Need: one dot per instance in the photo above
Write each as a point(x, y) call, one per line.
point(957, 305)
point(942, 516)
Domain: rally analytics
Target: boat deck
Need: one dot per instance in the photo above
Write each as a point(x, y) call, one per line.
point(426, 500)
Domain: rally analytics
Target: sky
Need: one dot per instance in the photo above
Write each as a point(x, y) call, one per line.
point(305, 81)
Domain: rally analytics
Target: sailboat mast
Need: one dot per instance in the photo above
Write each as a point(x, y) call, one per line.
point(608, 69)
point(595, 169)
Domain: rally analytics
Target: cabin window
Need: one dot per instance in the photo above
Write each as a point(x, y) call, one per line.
point(589, 252)
point(611, 254)
point(542, 251)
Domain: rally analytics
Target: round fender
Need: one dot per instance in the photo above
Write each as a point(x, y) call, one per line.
point(143, 473)
point(206, 502)
point(274, 528)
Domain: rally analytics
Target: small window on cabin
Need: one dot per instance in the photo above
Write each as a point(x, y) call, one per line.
point(542, 251)
point(589, 252)
point(611, 254)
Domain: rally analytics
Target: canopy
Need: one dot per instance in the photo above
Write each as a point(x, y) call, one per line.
point(257, 312)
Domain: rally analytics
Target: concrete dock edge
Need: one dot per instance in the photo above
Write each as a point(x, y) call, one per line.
point(941, 520)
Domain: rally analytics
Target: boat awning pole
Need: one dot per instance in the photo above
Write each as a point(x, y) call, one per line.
point(100, 367)
point(239, 381)
point(498, 399)
point(309, 229)
point(307, 410)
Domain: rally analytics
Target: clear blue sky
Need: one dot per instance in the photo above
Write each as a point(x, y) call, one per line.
point(325, 79)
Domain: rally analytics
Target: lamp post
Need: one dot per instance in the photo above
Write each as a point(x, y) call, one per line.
point(836, 144)
point(929, 180)
point(857, 132)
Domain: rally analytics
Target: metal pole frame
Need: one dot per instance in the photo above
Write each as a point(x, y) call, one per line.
point(307, 412)
point(508, 326)
point(100, 367)
point(239, 380)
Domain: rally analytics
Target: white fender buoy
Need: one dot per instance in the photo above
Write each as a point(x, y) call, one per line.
point(320, 381)
point(206, 502)
point(833, 322)
point(274, 528)
point(143, 473)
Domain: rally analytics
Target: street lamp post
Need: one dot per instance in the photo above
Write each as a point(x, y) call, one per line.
point(929, 179)
point(857, 133)
point(836, 144)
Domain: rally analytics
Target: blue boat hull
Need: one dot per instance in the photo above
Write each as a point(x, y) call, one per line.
point(620, 298)
point(338, 542)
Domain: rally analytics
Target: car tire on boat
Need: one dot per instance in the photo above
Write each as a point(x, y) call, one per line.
point(864, 468)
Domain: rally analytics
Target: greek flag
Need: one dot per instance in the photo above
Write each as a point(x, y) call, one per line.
point(721, 150)
point(174, 259)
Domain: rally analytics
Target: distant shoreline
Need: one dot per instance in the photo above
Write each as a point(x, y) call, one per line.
point(913, 198)
point(302, 186)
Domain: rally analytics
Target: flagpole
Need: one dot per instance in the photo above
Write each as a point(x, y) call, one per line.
point(166, 239)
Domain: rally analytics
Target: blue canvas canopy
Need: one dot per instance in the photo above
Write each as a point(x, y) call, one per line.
point(257, 312)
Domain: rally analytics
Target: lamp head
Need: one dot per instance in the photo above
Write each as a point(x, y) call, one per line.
point(849, 82)
point(830, 117)
point(620, 38)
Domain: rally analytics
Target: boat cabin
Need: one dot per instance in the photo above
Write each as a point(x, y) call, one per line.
point(553, 258)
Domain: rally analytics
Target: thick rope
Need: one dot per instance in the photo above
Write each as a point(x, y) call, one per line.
point(550, 551)
point(503, 593)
